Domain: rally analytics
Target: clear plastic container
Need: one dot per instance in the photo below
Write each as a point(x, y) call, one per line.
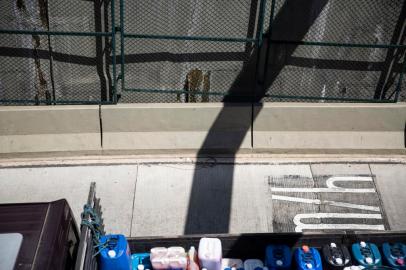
point(231, 264)
point(210, 253)
point(253, 264)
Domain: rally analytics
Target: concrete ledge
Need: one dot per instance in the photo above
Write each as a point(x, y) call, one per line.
point(176, 126)
point(329, 126)
point(49, 129)
point(208, 128)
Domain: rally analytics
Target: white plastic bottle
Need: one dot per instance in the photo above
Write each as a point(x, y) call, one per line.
point(193, 262)
point(210, 253)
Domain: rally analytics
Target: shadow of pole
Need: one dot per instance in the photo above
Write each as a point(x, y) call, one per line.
point(210, 199)
point(394, 55)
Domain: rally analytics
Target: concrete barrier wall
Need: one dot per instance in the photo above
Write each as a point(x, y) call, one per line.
point(286, 126)
point(49, 129)
point(176, 126)
point(329, 126)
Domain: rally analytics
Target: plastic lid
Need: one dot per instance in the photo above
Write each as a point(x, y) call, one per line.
point(352, 267)
point(369, 260)
point(400, 261)
point(339, 261)
point(176, 251)
point(111, 253)
point(363, 244)
point(140, 267)
point(279, 262)
point(158, 252)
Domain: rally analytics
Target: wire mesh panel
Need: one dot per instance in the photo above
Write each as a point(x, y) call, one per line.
point(56, 52)
point(186, 51)
point(25, 69)
point(206, 69)
point(75, 69)
point(402, 93)
point(24, 59)
point(392, 80)
point(334, 50)
point(340, 21)
point(83, 16)
point(213, 18)
point(24, 15)
point(328, 72)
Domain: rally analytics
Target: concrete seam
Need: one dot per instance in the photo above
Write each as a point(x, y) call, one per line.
point(133, 207)
point(101, 127)
point(252, 125)
point(404, 135)
point(382, 206)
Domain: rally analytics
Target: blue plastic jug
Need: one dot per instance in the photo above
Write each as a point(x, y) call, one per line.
point(395, 255)
point(308, 258)
point(278, 257)
point(366, 254)
point(115, 253)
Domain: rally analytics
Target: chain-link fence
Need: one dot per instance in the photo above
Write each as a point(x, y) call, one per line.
point(188, 51)
point(336, 50)
point(57, 52)
point(201, 51)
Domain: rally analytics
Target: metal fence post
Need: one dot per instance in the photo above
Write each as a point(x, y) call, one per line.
point(261, 22)
point(122, 75)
